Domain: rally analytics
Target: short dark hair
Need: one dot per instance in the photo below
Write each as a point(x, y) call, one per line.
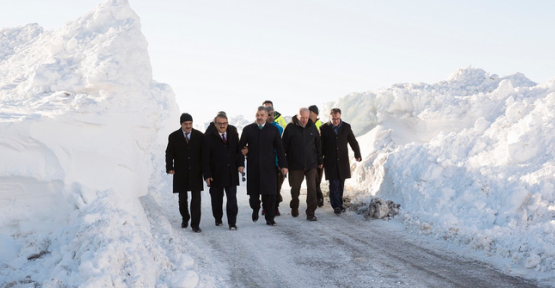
point(335, 111)
point(220, 115)
point(268, 101)
point(262, 108)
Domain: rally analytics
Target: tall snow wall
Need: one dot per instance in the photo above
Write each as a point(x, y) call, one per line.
point(79, 114)
point(470, 160)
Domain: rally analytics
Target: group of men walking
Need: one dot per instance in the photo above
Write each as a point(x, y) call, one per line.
point(274, 150)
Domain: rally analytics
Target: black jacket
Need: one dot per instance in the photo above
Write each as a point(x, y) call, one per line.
point(336, 154)
point(302, 145)
point(185, 159)
point(261, 160)
point(220, 160)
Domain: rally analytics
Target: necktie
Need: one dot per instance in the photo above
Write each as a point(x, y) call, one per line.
point(187, 137)
point(223, 138)
point(260, 126)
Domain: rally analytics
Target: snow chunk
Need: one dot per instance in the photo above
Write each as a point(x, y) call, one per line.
point(185, 279)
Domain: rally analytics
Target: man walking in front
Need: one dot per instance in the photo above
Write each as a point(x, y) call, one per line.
point(335, 135)
point(304, 155)
point(221, 164)
point(183, 161)
point(264, 142)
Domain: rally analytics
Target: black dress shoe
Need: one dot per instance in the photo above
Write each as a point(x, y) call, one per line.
point(232, 227)
point(320, 202)
point(271, 223)
point(184, 224)
point(254, 215)
point(312, 218)
point(337, 211)
point(219, 223)
point(197, 230)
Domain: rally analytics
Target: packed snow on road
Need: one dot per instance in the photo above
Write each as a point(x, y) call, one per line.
point(86, 201)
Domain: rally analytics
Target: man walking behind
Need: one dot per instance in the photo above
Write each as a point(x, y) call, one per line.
point(183, 157)
point(277, 116)
point(263, 142)
point(221, 163)
point(314, 118)
point(304, 155)
point(335, 135)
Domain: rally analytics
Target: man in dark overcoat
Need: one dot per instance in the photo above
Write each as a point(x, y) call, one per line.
point(183, 161)
point(301, 141)
point(222, 162)
point(264, 142)
point(335, 135)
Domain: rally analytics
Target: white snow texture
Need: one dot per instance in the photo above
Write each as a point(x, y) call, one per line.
point(81, 119)
point(470, 159)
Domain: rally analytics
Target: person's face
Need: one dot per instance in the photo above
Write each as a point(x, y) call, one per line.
point(270, 117)
point(335, 118)
point(303, 118)
point(261, 117)
point(313, 116)
point(221, 124)
point(187, 126)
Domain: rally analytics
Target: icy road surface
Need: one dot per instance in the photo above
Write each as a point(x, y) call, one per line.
point(344, 251)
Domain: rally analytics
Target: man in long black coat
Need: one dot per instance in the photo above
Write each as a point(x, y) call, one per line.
point(183, 161)
point(263, 141)
point(222, 162)
point(335, 135)
point(301, 141)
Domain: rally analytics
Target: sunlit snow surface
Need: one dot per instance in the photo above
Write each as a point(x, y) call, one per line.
point(84, 127)
point(80, 118)
point(470, 159)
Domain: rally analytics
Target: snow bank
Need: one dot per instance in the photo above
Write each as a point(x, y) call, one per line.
point(82, 122)
point(470, 159)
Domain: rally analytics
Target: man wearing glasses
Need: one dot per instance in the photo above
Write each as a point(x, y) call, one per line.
point(221, 163)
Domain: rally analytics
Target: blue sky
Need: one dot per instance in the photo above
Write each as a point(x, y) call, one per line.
point(232, 55)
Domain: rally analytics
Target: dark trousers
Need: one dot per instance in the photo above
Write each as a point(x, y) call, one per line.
point(336, 193)
point(231, 209)
point(268, 203)
point(296, 178)
point(280, 179)
point(319, 193)
point(195, 208)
